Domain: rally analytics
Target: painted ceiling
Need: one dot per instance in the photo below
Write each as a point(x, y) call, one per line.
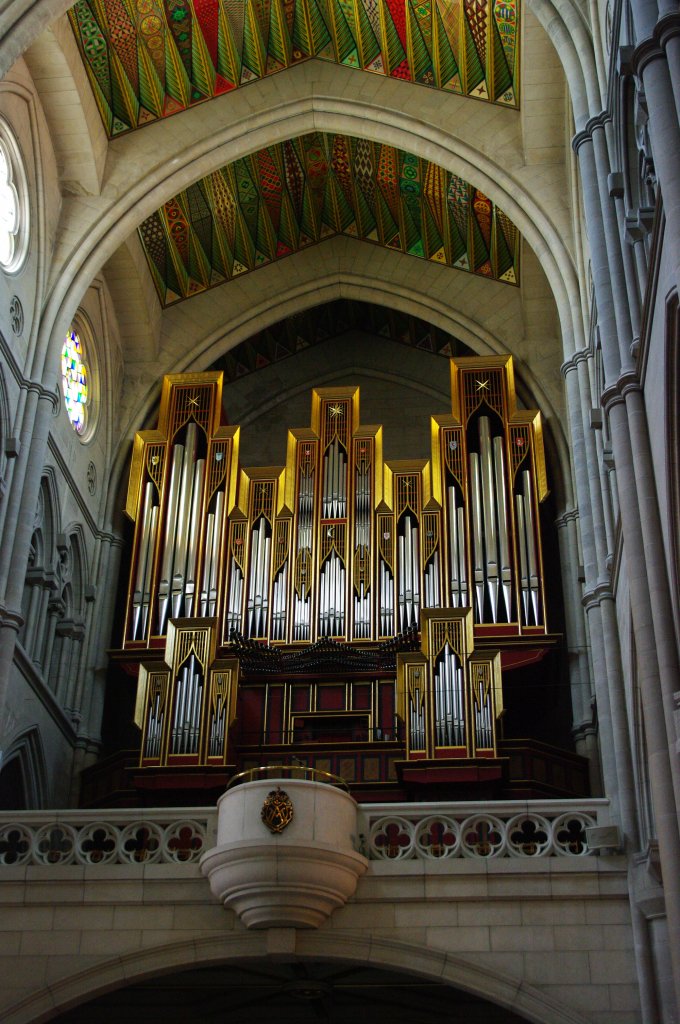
point(314, 326)
point(148, 59)
point(294, 194)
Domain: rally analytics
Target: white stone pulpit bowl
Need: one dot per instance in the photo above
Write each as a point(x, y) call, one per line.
point(292, 879)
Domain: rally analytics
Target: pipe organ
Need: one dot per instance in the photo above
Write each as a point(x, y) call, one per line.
point(337, 551)
point(450, 696)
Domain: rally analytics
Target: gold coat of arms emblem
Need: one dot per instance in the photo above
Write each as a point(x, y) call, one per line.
point(277, 810)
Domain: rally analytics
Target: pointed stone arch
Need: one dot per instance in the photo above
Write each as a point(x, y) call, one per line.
point(25, 756)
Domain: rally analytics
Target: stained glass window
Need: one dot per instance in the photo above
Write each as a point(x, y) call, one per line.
point(74, 379)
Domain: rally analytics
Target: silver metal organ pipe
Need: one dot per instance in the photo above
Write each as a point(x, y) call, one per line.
point(180, 696)
point(342, 488)
point(460, 713)
point(279, 610)
point(142, 560)
point(194, 530)
point(432, 582)
point(462, 561)
point(326, 484)
point(522, 544)
point(415, 573)
point(183, 516)
point(339, 596)
point(408, 569)
point(478, 551)
point(170, 535)
point(442, 700)
point(362, 528)
point(440, 703)
point(489, 510)
point(146, 594)
point(251, 579)
point(450, 694)
point(400, 583)
point(330, 607)
point(302, 605)
point(335, 479)
point(208, 555)
point(323, 601)
point(258, 586)
point(214, 558)
point(532, 557)
point(154, 728)
point(262, 581)
point(454, 553)
point(503, 526)
point(235, 595)
point(264, 612)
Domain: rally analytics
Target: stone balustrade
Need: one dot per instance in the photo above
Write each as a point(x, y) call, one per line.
point(434, 831)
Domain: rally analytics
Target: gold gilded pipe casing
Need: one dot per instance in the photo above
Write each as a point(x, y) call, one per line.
point(439, 625)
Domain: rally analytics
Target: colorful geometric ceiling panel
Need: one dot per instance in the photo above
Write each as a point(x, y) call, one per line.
point(148, 59)
point(297, 193)
point(314, 326)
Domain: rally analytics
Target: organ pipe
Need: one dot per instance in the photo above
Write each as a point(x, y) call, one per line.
point(458, 531)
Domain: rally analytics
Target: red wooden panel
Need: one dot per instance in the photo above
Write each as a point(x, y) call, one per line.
point(300, 700)
point(275, 715)
point(386, 710)
point(250, 713)
point(361, 697)
point(330, 698)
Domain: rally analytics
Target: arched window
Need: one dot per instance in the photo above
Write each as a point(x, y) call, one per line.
point(13, 203)
point(79, 376)
point(75, 380)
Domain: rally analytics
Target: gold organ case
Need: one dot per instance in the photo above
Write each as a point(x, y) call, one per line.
point(341, 611)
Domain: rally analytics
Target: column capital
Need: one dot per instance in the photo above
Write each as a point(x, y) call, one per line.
point(594, 596)
point(610, 397)
point(42, 392)
point(627, 383)
point(570, 516)
point(582, 356)
point(653, 48)
point(10, 619)
point(593, 124)
point(667, 27)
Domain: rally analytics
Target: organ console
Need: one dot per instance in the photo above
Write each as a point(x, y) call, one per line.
point(349, 612)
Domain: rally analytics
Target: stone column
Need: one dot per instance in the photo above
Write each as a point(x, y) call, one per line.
point(652, 69)
point(59, 684)
point(614, 324)
point(36, 580)
point(21, 507)
point(55, 612)
point(92, 699)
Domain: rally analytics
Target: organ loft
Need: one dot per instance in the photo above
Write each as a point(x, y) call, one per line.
point(390, 622)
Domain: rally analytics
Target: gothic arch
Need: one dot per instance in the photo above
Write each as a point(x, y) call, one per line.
point(254, 307)
point(125, 969)
point(26, 750)
point(78, 569)
point(101, 225)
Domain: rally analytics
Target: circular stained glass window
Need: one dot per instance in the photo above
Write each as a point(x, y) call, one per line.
point(74, 380)
point(13, 204)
